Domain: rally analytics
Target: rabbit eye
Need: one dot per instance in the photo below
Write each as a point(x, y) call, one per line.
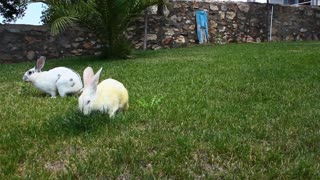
point(88, 101)
point(30, 72)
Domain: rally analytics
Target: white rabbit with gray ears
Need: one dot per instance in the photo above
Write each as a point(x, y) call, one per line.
point(60, 80)
point(109, 96)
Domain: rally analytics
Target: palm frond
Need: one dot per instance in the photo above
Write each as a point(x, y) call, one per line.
point(62, 23)
point(108, 19)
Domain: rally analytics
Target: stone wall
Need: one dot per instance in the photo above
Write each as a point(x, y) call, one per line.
point(26, 42)
point(296, 23)
point(228, 22)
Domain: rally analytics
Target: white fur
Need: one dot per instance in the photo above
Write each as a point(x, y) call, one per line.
point(60, 79)
point(107, 97)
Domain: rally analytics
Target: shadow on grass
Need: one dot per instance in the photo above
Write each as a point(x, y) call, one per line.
point(75, 123)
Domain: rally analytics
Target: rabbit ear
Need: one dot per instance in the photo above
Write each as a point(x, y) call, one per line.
point(87, 76)
point(40, 63)
point(91, 83)
point(95, 79)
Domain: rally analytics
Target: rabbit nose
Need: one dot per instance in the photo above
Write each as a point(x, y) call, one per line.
point(24, 78)
point(81, 108)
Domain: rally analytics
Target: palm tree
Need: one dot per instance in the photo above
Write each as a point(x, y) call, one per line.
point(108, 19)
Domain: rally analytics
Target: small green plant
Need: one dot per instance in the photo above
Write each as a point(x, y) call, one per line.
point(23, 88)
point(219, 39)
point(154, 102)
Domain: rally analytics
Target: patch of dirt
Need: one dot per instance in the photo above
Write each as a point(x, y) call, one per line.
point(57, 166)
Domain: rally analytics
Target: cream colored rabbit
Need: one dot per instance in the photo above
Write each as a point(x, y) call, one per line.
point(109, 96)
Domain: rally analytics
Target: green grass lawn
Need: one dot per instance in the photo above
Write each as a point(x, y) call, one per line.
point(232, 111)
